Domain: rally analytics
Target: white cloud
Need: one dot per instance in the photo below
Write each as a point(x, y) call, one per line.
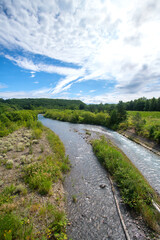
point(109, 39)
point(91, 91)
point(3, 85)
point(36, 82)
point(39, 93)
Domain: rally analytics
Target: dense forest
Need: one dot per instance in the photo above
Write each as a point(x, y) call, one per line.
point(39, 103)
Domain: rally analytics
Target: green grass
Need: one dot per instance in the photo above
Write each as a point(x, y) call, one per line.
point(134, 189)
point(13, 227)
point(59, 151)
point(41, 175)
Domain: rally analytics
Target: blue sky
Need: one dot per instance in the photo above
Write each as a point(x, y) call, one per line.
point(92, 50)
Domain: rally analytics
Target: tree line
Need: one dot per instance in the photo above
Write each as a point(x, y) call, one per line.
point(141, 104)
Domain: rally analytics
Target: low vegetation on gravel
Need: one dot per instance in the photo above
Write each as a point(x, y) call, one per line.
point(32, 163)
point(134, 189)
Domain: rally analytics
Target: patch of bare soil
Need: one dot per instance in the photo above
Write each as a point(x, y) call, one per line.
point(16, 151)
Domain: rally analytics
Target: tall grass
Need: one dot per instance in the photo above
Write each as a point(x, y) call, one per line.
point(134, 189)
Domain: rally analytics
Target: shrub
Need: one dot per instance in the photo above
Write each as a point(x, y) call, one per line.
point(13, 227)
point(9, 164)
point(37, 133)
point(41, 175)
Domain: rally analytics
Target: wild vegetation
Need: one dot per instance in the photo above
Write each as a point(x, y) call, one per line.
point(32, 163)
point(111, 119)
point(40, 104)
point(12, 120)
point(146, 124)
point(134, 189)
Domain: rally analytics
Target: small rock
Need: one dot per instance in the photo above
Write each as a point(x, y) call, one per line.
point(102, 185)
point(1, 183)
point(35, 141)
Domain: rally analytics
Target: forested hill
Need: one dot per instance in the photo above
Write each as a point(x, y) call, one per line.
point(41, 103)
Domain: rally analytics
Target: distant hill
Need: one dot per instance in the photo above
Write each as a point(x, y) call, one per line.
point(41, 103)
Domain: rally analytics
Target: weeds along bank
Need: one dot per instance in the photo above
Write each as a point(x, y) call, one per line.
point(146, 124)
point(79, 116)
point(134, 189)
point(32, 164)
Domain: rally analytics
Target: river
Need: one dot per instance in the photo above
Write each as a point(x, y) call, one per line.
point(91, 209)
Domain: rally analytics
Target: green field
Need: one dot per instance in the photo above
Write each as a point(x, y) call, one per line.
point(152, 118)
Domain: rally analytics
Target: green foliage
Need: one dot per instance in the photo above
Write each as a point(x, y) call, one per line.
point(135, 190)
point(11, 121)
point(37, 133)
point(138, 122)
point(146, 124)
point(6, 196)
point(41, 103)
point(58, 226)
point(143, 104)
point(40, 175)
point(13, 227)
point(78, 116)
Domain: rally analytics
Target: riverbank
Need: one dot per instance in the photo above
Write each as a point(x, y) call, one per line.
point(92, 212)
point(145, 142)
point(32, 162)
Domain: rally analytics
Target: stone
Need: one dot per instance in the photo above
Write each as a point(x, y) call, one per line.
point(102, 185)
point(35, 141)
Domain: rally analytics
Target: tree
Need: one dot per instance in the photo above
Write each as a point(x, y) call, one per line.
point(138, 122)
point(122, 114)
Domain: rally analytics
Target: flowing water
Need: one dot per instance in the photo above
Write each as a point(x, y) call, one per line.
point(91, 209)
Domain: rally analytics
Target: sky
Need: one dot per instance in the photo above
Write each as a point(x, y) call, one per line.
point(97, 51)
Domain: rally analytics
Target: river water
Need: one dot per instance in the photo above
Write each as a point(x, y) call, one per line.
point(91, 209)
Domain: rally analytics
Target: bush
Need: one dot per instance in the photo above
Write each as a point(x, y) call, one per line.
point(13, 227)
point(41, 175)
point(37, 133)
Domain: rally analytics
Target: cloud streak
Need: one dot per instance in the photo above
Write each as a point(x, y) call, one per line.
point(115, 41)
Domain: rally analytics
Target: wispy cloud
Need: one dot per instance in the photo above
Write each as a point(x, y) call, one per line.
point(3, 85)
point(43, 93)
point(109, 40)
